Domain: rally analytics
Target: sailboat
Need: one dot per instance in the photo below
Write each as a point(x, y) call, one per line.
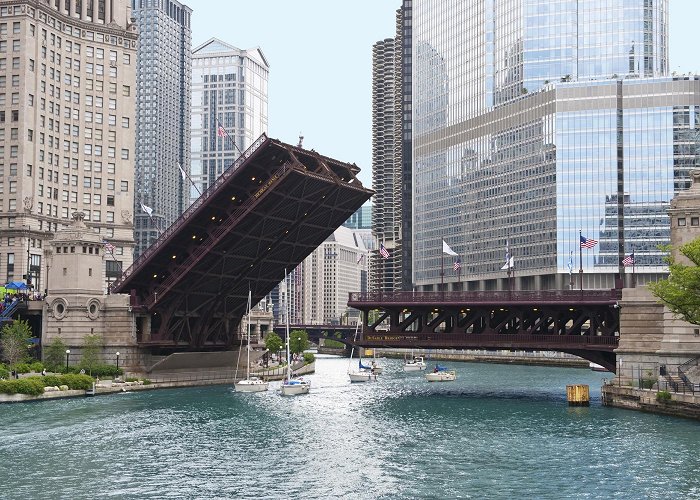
point(414, 363)
point(363, 373)
point(250, 384)
point(441, 374)
point(292, 386)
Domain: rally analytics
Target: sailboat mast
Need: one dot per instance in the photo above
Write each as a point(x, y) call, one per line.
point(247, 366)
point(287, 311)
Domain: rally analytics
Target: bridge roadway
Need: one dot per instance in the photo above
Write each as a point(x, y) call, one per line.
point(266, 213)
point(584, 323)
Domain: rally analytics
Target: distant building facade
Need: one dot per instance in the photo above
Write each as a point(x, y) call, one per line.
point(229, 89)
point(527, 134)
point(328, 276)
point(67, 123)
point(361, 223)
point(163, 101)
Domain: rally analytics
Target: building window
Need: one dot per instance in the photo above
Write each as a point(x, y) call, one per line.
point(681, 221)
point(695, 221)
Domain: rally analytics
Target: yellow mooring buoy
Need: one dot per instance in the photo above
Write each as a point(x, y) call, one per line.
point(577, 395)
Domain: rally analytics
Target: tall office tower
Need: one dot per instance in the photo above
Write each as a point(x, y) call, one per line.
point(163, 101)
point(404, 38)
point(329, 274)
point(536, 123)
point(67, 77)
point(229, 89)
point(385, 267)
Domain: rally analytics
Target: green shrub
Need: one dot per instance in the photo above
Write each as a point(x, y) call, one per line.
point(32, 386)
point(333, 344)
point(4, 371)
point(36, 367)
point(23, 368)
point(106, 371)
point(648, 383)
point(77, 381)
point(52, 380)
point(309, 358)
point(663, 396)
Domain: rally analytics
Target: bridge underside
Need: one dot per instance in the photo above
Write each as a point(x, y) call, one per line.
point(585, 324)
point(266, 213)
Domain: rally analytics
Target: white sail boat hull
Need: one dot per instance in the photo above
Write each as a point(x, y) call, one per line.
point(296, 387)
point(414, 365)
point(441, 376)
point(361, 376)
point(252, 384)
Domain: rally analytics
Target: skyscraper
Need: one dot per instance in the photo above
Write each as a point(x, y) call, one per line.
point(385, 272)
point(229, 107)
point(67, 78)
point(537, 122)
point(163, 116)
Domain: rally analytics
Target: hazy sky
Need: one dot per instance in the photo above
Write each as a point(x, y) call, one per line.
point(320, 56)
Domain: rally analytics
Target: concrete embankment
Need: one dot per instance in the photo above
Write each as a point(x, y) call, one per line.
point(647, 400)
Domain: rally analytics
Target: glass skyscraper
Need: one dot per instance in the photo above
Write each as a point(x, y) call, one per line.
point(162, 115)
point(229, 89)
point(536, 121)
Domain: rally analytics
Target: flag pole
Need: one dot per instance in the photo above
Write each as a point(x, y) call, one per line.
point(634, 278)
point(580, 259)
point(442, 271)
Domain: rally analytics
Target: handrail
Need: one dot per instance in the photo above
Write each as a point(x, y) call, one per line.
point(9, 310)
point(682, 369)
point(175, 226)
point(564, 296)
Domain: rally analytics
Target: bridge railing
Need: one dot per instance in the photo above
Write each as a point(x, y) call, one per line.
point(456, 339)
point(180, 221)
point(487, 297)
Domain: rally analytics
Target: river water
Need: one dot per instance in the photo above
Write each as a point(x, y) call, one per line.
point(498, 431)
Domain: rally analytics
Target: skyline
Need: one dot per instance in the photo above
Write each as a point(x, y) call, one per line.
point(301, 104)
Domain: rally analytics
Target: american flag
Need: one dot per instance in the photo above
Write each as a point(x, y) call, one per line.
point(383, 251)
point(108, 246)
point(588, 242)
point(628, 260)
point(457, 265)
point(220, 131)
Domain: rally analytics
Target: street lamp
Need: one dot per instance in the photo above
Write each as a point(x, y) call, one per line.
point(67, 356)
point(117, 360)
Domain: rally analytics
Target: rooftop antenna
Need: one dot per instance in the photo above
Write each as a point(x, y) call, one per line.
point(301, 140)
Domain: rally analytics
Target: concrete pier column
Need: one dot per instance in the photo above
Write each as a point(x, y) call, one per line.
point(108, 11)
point(83, 10)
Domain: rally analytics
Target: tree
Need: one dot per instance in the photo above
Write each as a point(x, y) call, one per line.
point(92, 346)
point(273, 342)
point(54, 354)
point(680, 292)
point(14, 339)
point(298, 341)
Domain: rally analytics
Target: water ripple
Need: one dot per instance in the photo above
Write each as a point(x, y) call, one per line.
point(499, 431)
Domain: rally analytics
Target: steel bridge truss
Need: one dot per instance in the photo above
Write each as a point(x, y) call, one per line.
point(582, 323)
point(264, 214)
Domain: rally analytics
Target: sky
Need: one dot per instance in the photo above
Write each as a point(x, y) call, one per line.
point(320, 56)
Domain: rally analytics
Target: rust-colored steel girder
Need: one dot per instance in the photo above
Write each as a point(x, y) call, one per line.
point(582, 323)
point(264, 214)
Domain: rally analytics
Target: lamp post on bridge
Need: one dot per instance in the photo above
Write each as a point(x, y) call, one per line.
point(67, 356)
point(117, 360)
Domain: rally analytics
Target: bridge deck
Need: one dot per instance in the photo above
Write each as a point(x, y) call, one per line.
point(266, 213)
